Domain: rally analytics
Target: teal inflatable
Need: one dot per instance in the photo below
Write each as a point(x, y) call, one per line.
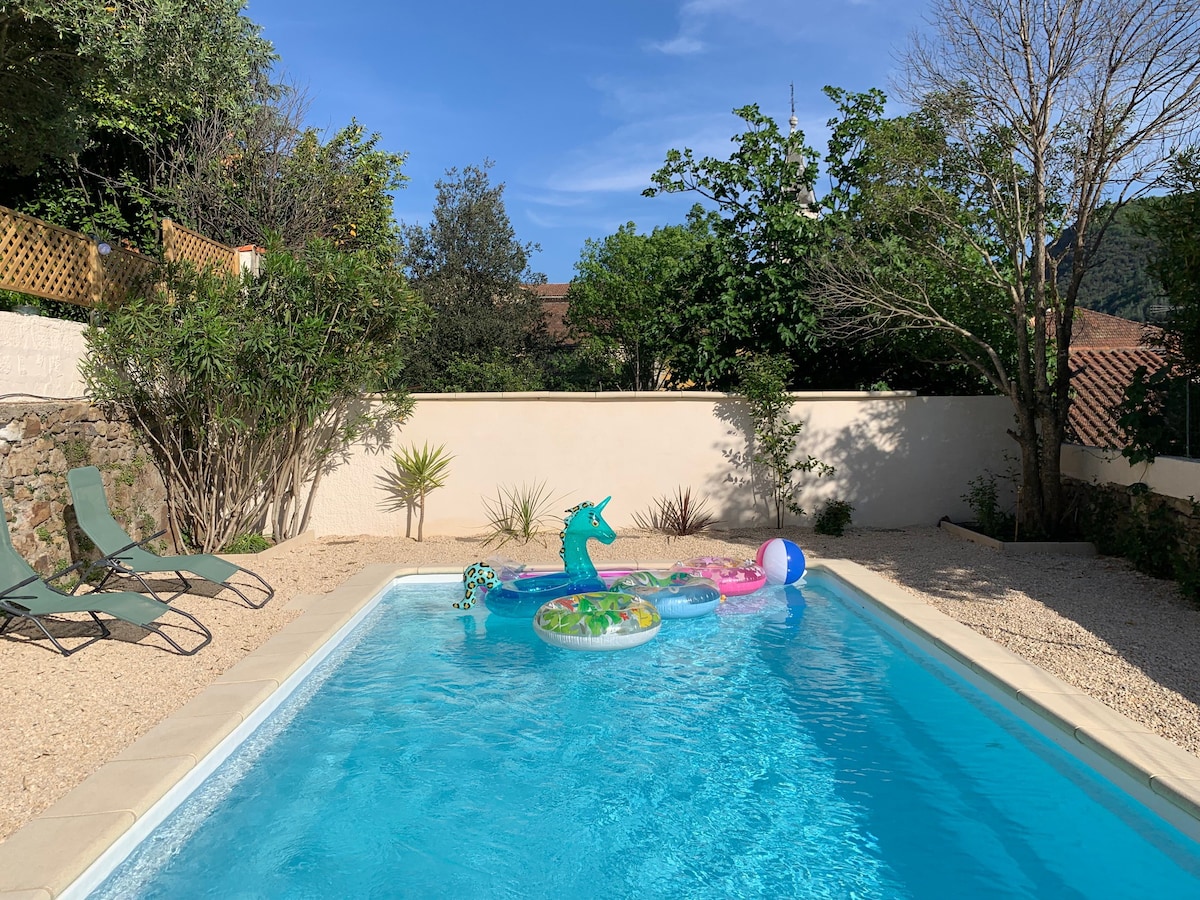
point(676, 595)
point(520, 597)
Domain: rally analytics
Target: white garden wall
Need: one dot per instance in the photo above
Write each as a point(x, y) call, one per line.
point(39, 356)
point(1170, 476)
point(900, 459)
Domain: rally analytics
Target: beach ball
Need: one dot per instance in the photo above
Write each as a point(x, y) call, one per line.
point(782, 560)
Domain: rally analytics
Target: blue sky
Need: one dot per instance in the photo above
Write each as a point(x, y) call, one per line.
point(575, 101)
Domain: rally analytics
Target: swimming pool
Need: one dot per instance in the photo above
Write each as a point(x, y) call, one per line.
point(797, 750)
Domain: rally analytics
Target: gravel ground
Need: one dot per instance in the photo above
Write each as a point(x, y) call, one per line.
point(1123, 637)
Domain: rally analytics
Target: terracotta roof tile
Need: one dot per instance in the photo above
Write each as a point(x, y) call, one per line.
point(1100, 331)
point(1098, 380)
point(555, 312)
point(555, 291)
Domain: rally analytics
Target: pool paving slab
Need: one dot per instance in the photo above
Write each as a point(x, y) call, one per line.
point(59, 854)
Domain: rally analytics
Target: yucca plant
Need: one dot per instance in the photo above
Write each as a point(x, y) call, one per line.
point(677, 516)
point(419, 471)
point(518, 513)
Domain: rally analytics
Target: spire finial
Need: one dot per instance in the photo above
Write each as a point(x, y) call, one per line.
point(793, 121)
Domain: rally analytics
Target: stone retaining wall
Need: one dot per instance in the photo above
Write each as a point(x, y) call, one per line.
point(39, 443)
point(1160, 534)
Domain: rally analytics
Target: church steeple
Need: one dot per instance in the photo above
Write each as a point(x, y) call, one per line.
point(804, 192)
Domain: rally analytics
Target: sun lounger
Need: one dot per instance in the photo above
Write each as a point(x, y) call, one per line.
point(123, 556)
point(26, 595)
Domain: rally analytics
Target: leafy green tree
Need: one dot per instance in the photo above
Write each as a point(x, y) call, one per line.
point(617, 298)
point(886, 176)
point(748, 288)
point(247, 390)
point(1175, 224)
point(259, 174)
point(87, 90)
point(1160, 412)
point(1048, 109)
point(488, 334)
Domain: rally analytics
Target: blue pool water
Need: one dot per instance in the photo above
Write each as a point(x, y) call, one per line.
point(796, 750)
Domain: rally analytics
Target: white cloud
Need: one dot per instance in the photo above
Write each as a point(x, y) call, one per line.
point(679, 46)
point(624, 159)
point(694, 16)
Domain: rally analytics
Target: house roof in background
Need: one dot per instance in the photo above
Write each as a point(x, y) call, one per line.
point(554, 305)
point(1105, 351)
point(1100, 331)
point(554, 291)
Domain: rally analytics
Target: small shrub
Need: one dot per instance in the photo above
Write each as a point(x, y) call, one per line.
point(834, 518)
point(518, 513)
point(677, 516)
point(983, 497)
point(763, 384)
point(247, 543)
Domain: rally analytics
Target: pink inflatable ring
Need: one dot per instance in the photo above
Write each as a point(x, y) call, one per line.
point(733, 576)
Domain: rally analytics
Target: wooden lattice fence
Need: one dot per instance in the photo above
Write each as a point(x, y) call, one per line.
point(181, 243)
point(58, 264)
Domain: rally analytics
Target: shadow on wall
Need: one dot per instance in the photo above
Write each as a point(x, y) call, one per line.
point(873, 456)
point(731, 487)
point(898, 461)
point(863, 452)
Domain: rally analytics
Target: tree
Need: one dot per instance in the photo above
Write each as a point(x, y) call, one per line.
point(1175, 224)
point(616, 300)
point(747, 287)
point(1047, 109)
point(247, 390)
point(763, 383)
point(87, 90)
point(257, 174)
point(1156, 412)
point(468, 266)
point(886, 174)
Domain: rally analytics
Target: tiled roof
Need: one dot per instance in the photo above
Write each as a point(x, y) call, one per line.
point(555, 291)
point(1098, 380)
point(554, 305)
point(1100, 331)
point(1105, 351)
point(555, 312)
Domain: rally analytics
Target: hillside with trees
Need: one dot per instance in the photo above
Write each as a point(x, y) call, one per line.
point(1120, 281)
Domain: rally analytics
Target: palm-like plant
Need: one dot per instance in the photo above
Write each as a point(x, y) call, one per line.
point(419, 471)
point(518, 513)
point(677, 516)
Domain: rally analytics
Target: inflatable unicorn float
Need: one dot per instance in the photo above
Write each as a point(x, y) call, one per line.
point(518, 595)
point(577, 608)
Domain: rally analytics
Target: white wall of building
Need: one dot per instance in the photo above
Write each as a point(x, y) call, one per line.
point(900, 459)
point(40, 356)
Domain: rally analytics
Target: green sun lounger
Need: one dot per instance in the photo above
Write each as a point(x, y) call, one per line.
point(26, 595)
point(128, 558)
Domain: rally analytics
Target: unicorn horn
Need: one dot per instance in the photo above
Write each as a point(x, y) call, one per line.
point(603, 503)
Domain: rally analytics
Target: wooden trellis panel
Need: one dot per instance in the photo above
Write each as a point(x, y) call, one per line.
point(183, 244)
point(126, 273)
point(47, 261)
point(58, 264)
